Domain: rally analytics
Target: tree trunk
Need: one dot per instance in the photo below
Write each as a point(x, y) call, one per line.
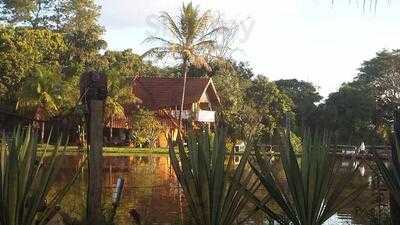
point(95, 186)
point(185, 68)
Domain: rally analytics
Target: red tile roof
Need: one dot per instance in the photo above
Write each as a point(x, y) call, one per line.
point(161, 93)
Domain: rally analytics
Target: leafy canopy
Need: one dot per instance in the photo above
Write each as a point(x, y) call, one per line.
point(304, 96)
point(272, 108)
point(120, 69)
point(145, 128)
point(24, 49)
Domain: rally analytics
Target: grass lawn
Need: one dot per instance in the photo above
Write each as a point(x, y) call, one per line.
point(119, 150)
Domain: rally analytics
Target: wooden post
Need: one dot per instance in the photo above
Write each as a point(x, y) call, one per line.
point(93, 88)
point(95, 162)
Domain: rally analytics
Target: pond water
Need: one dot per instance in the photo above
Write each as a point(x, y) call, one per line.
point(152, 190)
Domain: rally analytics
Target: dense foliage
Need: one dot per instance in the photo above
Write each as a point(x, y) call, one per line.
point(249, 107)
point(316, 190)
point(120, 69)
point(381, 76)
point(362, 110)
point(305, 97)
point(212, 188)
point(46, 45)
point(145, 128)
point(27, 178)
point(47, 40)
point(23, 51)
point(273, 109)
point(391, 173)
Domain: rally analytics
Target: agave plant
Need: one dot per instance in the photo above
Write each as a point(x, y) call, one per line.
point(391, 173)
point(26, 179)
point(212, 189)
point(314, 191)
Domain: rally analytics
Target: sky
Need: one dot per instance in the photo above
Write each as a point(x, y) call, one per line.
point(311, 40)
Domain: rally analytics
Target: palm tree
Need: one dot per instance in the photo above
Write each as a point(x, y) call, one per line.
point(192, 40)
point(38, 90)
point(40, 94)
point(119, 96)
point(119, 66)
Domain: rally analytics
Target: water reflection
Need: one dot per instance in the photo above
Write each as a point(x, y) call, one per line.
point(362, 170)
point(152, 190)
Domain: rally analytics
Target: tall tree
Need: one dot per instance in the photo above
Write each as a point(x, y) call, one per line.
point(122, 67)
point(380, 75)
point(349, 114)
point(243, 69)
point(40, 90)
point(125, 62)
point(192, 38)
point(34, 13)
point(40, 95)
point(304, 96)
point(362, 110)
point(273, 108)
point(78, 19)
point(232, 91)
point(22, 52)
point(249, 107)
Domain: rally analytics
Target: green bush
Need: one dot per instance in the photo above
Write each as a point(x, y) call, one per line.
point(213, 190)
point(26, 179)
point(315, 191)
point(145, 128)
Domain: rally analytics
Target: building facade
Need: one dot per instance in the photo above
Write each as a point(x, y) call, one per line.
point(163, 97)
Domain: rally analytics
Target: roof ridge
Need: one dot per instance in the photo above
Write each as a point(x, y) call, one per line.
point(167, 91)
point(148, 92)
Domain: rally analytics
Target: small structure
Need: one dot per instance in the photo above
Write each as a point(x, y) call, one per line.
point(163, 97)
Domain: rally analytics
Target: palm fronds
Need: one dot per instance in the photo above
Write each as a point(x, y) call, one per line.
point(39, 90)
point(26, 179)
point(314, 192)
point(212, 190)
point(191, 36)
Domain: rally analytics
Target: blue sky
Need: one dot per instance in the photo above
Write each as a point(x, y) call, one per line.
point(310, 40)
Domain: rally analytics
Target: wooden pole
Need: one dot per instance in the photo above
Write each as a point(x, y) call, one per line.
point(95, 162)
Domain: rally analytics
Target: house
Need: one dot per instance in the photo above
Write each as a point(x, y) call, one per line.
point(163, 97)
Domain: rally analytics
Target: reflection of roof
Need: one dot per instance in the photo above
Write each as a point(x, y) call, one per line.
point(161, 93)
